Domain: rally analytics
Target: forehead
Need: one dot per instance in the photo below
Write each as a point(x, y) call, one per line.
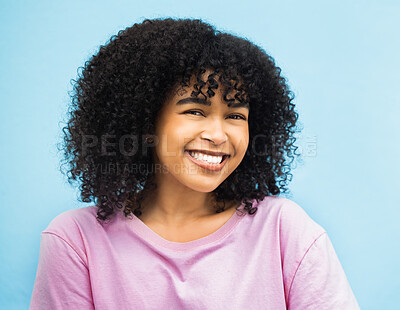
point(201, 89)
point(207, 102)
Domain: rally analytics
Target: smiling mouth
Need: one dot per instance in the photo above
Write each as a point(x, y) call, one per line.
point(206, 165)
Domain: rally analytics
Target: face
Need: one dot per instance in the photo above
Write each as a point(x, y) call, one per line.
point(189, 130)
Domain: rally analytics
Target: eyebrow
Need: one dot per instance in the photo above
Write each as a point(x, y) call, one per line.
point(208, 103)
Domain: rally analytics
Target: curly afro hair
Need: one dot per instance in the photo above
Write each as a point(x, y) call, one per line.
point(120, 90)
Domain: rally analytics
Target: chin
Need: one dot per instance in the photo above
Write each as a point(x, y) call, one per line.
point(203, 186)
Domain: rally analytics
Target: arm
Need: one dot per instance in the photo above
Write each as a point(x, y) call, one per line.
point(320, 282)
point(62, 278)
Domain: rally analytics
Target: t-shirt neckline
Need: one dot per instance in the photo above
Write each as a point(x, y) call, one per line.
point(146, 233)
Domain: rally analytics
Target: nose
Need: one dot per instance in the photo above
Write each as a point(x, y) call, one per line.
point(215, 132)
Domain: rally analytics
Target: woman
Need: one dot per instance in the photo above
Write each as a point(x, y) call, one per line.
point(179, 133)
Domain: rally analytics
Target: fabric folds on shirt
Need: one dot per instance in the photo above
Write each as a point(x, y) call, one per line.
point(277, 258)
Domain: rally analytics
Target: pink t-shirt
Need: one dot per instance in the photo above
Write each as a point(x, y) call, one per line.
point(277, 258)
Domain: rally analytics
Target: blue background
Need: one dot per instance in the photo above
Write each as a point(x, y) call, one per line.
point(341, 59)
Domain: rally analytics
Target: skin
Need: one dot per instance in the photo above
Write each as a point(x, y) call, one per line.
point(183, 201)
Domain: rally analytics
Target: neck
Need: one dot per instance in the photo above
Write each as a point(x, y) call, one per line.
point(174, 205)
point(177, 209)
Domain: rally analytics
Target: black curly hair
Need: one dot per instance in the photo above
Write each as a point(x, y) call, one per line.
point(120, 90)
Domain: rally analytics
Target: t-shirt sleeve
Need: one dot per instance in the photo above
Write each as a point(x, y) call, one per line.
point(62, 278)
point(320, 281)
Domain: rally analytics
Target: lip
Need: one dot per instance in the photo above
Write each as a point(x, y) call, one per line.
point(209, 167)
point(208, 152)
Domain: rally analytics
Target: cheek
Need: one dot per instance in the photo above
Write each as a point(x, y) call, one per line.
point(242, 138)
point(172, 139)
point(181, 132)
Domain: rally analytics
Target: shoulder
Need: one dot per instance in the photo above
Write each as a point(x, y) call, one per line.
point(296, 229)
point(72, 220)
point(67, 233)
point(288, 213)
point(293, 230)
point(74, 227)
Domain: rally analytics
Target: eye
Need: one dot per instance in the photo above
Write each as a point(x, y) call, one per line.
point(192, 111)
point(234, 116)
point(238, 115)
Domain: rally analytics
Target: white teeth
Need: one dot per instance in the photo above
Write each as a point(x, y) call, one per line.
point(206, 158)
